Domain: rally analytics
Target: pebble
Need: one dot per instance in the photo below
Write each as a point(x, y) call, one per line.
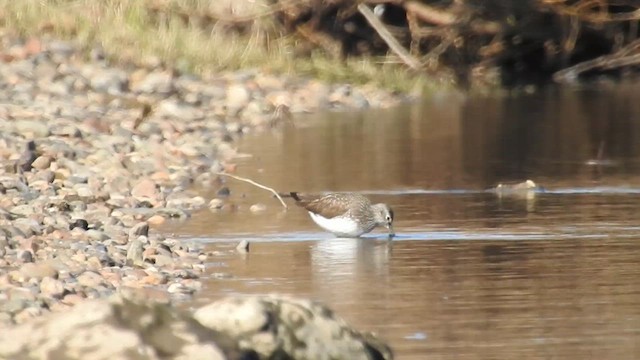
point(216, 204)
point(256, 208)
point(25, 256)
point(90, 279)
point(156, 220)
point(243, 247)
point(38, 271)
point(134, 252)
point(51, 287)
point(140, 229)
point(41, 162)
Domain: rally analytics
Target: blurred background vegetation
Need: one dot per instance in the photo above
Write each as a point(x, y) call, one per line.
point(463, 42)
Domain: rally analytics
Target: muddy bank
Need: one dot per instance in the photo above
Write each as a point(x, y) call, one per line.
point(92, 156)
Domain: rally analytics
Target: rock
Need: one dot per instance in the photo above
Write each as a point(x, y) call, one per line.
point(163, 261)
point(156, 220)
point(145, 190)
point(78, 179)
point(223, 192)
point(67, 131)
point(160, 83)
point(243, 247)
point(84, 192)
point(38, 271)
point(179, 288)
point(284, 327)
point(525, 190)
point(134, 252)
point(41, 162)
point(111, 81)
point(28, 156)
point(72, 299)
point(90, 279)
point(118, 329)
point(256, 208)
point(238, 96)
point(28, 226)
point(216, 204)
point(80, 224)
point(140, 229)
point(193, 203)
point(32, 128)
point(22, 210)
point(25, 256)
point(51, 287)
point(96, 235)
point(27, 314)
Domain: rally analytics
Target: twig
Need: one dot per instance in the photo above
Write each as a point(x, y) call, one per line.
point(257, 185)
point(393, 44)
point(430, 14)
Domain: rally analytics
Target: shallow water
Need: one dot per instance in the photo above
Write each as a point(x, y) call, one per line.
point(550, 274)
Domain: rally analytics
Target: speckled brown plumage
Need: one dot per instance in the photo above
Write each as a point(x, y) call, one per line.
point(340, 206)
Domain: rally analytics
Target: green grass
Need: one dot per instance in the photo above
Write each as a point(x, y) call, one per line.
point(131, 31)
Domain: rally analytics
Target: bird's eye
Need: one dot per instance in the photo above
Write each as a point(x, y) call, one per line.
point(388, 218)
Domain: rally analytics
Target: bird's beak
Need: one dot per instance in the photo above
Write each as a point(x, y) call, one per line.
point(390, 227)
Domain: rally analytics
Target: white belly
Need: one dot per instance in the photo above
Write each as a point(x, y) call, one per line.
point(340, 226)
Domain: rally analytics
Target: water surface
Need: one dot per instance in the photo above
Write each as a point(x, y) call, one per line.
point(471, 275)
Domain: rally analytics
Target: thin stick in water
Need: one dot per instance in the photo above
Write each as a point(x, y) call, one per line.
point(257, 185)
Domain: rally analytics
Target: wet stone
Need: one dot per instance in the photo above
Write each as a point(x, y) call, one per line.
point(256, 208)
point(243, 247)
point(223, 192)
point(156, 220)
point(216, 204)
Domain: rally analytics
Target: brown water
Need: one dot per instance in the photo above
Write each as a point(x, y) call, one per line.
point(546, 275)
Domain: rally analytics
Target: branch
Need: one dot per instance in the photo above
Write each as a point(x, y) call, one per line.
point(257, 185)
point(393, 44)
point(430, 14)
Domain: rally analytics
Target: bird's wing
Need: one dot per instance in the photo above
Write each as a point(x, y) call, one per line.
point(327, 206)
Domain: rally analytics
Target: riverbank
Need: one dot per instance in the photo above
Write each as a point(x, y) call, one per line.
point(95, 155)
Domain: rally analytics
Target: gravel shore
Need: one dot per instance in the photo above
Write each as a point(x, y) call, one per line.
point(91, 155)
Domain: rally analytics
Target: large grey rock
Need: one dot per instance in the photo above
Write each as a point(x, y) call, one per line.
point(281, 327)
point(117, 329)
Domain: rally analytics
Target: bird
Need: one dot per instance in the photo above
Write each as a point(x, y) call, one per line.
point(345, 214)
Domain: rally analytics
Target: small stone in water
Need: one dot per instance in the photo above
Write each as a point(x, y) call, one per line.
point(223, 192)
point(156, 220)
point(216, 204)
point(243, 247)
point(255, 208)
